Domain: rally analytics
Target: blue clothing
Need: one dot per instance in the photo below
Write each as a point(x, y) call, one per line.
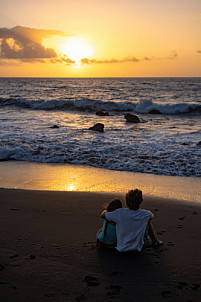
point(110, 236)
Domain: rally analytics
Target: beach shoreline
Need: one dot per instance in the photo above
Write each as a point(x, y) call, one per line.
point(66, 177)
point(48, 250)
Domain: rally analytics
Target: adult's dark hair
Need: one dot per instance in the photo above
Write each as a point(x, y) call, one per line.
point(113, 205)
point(134, 199)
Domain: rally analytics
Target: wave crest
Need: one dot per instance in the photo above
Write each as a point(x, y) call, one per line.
point(144, 106)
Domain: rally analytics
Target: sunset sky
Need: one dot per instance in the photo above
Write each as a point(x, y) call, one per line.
point(93, 38)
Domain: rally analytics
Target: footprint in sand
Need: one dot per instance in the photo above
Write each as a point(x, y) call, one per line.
point(182, 218)
point(181, 284)
point(81, 298)
point(32, 257)
point(161, 232)
point(90, 245)
point(91, 281)
point(115, 289)
point(14, 256)
point(195, 286)
point(115, 273)
point(170, 243)
point(49, 295)
point(2, 267)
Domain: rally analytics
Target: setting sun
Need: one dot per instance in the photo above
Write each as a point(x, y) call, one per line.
point(100, 39)
point(76, 49)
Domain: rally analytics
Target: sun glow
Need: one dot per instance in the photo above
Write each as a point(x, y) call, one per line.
point(71, 187)
point(76, 49)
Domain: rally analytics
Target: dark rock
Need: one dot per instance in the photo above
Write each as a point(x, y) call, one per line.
point(155, 111)
point(97, 127)
point(102, 113)
point(54, 127)
point(36, 152)
point(185, 144)
point(131, 118)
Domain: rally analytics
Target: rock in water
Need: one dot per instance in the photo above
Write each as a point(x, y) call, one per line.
point(54, 127)
point(155, 111)
point(102, 113)
point(97, 127)
point(131, 118)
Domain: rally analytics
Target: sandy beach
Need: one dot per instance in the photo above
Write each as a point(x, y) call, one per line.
point(48, 253)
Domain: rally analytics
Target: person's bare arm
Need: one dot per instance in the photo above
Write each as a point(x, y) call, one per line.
point(104, 217)
point(103, 214)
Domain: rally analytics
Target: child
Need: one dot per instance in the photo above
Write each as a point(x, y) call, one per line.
point(106, 237)
point(132, 224)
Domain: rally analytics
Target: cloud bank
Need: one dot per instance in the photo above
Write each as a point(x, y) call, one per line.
point(94, 61)
point(25, 43)
point(63, 59)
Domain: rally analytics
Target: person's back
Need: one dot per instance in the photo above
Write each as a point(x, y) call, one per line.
point(130, 227)
point(132, 223)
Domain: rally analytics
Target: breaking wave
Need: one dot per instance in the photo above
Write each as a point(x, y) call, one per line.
point(89, 105)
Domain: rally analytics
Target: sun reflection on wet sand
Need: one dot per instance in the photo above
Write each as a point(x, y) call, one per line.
point(58, 177)
point(71, 187)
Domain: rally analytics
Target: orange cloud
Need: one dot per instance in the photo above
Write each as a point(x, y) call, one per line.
point(63, 59)
point(148, 59)
point(24, 43)
point(94, 61)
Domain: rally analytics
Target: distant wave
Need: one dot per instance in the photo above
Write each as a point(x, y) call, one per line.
point(90, 105)
point(147, 106)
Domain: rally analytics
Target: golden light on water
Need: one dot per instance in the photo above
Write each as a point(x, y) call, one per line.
point(76, 48)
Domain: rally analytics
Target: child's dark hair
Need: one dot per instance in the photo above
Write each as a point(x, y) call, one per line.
point(133, 199)
point(113, 205)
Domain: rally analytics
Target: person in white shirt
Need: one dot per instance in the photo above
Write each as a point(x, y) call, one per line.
point(132, 224)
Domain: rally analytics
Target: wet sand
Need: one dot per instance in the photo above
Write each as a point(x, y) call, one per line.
point(65, 177)
point(47, 250)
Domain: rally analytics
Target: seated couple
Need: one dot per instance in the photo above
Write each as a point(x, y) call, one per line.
point(127, 229)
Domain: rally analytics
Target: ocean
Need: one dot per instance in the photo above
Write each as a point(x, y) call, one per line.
point(168, 143)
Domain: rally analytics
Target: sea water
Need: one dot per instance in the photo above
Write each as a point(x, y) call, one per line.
point(168, 143)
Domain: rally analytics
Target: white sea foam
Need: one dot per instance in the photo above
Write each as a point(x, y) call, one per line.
point(82, 105)
point(166, 143)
